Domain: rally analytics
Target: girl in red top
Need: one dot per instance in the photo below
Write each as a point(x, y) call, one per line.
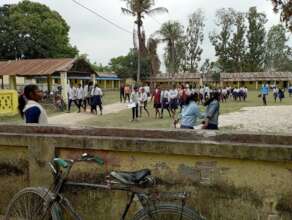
point(157, 101)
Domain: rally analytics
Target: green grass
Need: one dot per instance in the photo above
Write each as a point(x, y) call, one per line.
point(110, 97)
point(122, 119)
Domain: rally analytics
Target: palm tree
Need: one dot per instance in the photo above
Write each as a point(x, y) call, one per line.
point(171, 32)
point(138, 8)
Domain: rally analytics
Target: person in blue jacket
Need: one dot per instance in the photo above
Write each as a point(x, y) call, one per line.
point(190, 113)
point(265, 93)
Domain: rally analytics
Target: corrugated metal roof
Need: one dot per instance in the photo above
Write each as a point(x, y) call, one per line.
point(178, 76)
point(105, 75)
point(35, 67)
point(256, 76)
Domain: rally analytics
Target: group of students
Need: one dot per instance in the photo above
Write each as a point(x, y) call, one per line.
point(83, 96)
point(184, 98)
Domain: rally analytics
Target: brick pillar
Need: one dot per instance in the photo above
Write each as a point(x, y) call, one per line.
point(12, 82)
point(64, 86)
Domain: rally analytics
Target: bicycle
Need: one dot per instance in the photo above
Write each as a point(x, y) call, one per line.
point(44, 204)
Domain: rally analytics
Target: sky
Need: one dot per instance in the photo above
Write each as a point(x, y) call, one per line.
point(102, 41)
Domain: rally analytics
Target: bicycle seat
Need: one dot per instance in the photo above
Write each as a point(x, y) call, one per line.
point(131, 178)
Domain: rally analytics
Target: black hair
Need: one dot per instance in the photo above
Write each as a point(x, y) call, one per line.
point(192, 97)
point(22, 99)
point(214, 96)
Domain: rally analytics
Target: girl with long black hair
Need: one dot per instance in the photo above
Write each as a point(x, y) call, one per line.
point(29, 108)
point(212, 112)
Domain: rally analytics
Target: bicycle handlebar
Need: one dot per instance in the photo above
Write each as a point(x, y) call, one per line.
point(85, 157)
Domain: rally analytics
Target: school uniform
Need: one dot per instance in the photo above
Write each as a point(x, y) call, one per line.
point(165, 102)
point(35, 113)
point(80, 96)
point(134, 98)
point(173, 95)
point(96, 95)
point(72, 96)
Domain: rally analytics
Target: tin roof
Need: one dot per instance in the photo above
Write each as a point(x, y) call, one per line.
point(35, 67)
point(179, 76)
point(262, 76)
point(106, 75)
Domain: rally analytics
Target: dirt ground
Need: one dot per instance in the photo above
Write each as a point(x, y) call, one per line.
point(74, 118)
point(275, 119)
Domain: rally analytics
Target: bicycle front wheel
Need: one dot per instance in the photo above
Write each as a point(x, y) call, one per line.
point(168, 212)
point(31, 204)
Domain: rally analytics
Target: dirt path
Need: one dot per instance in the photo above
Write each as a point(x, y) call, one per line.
point(75, 118)
point(263, 119)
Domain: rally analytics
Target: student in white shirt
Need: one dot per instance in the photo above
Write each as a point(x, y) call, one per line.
point(96, 94)
point(143, 99)
point(72, 96)
point(164, 102)
point(79, 96)
point(134, 99)
point(173, 100)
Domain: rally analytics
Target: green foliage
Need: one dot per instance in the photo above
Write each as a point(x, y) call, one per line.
point(126, 66)
point(237, 47)
point(221, 40)
point(101, 68)
point(278, 53)
point(171, 32)
point(285, 6)
point(256, 40)
point(32, 30)
point(193, 41)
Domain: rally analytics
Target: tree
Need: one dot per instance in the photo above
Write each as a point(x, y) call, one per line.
point(194, 39)
point(32, 30)
point(256, 40)
point(171, 32)
point(237, 46)
point(125, 66)
point(153, 56)
point(277, 52)
point(138, 8)
point(285, 6)
point(225, 21)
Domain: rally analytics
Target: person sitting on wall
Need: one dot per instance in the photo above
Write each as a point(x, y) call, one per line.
point(212, 112)
point(29, 108)
point(190, 113)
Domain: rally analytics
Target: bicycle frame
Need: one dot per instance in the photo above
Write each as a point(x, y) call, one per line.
point(145, 197)
point(61, 183)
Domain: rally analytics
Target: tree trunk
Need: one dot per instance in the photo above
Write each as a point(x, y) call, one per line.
point(139, 22)
point(173, 58)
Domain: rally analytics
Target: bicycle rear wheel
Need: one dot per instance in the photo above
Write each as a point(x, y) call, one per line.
point(168, 212)
point(31, 204)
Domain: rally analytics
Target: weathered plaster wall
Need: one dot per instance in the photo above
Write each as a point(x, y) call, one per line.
point(230, 176)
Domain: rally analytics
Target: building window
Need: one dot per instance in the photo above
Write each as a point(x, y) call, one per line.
point(250, 82)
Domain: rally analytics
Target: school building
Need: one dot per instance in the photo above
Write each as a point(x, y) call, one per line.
point(51, 73)
point(166, 80)
point(194, 79)
point(256, 79)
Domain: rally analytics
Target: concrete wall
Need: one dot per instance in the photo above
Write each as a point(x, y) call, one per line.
point(231, 176)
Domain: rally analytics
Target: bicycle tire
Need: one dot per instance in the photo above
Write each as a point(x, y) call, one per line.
point(29, 204)
point(165, 211)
